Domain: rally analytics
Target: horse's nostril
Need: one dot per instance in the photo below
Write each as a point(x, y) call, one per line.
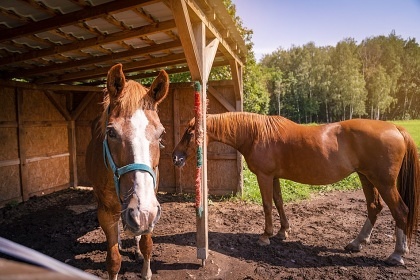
point(132, 218)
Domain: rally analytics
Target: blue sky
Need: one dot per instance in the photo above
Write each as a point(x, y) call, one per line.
point(283, 23)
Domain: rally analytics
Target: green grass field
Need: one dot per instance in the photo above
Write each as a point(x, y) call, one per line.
point(294, 191)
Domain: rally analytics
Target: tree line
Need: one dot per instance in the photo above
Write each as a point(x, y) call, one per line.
point(378, 79)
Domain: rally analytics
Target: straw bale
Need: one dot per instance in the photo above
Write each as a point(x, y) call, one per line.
point(9, 183)
point(9, 146)
point(8, 104)
point(47, 174)
point(46, 141)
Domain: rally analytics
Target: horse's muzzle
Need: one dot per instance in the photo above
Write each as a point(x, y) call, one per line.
point(140, 222)
point(179, 160)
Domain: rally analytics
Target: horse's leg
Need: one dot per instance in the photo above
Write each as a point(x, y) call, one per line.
point(139, 256)
point(399, 212)
point(146, 245)
point(278, 201)
point(109, 223)
point(374, 207)
point(266, 188)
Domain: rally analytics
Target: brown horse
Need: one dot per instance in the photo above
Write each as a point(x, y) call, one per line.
point(122, 163)
point(383, 155)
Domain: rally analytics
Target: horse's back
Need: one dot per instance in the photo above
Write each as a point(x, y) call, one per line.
point(378, 144)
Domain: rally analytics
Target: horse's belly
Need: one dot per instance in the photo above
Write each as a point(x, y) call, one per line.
point(316, 173)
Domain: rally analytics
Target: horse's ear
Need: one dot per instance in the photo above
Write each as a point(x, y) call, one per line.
point(115, 80)
point(160, 87)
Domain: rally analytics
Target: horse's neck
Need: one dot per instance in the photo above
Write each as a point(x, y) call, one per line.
point(236, 137)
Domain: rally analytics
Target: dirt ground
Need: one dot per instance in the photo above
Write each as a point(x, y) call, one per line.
point(64, 226)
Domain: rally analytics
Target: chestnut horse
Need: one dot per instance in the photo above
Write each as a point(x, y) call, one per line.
point(383, 155)
point(122, 163)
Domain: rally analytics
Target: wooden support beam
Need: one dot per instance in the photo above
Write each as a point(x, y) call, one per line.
point(219, 97)
point(78, 45)
point(72, 153)
point(82, 106)
point(188, 39)
point(236, 70)
point(70, 18)
point(132, 66)
point(63, 111)
point(13, 84)
point(22, 146)
point(94, 60)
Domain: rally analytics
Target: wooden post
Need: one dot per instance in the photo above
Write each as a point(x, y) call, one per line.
point(73, 152)
point(200, 57)
point(176, 123)
point(22, 145)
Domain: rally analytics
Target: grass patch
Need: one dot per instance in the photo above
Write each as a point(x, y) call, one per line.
point(293, 191)
point(413, 127)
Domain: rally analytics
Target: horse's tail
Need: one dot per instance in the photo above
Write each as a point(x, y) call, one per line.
point(409, 184)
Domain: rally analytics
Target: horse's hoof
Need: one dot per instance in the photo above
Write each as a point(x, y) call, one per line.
point(352, 247)
point(263, 240)
point(282, 235)
point(394, 260)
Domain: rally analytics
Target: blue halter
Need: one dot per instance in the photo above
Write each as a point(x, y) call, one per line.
point(119, 171)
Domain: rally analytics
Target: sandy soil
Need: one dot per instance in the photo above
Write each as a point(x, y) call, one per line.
point(64, 226)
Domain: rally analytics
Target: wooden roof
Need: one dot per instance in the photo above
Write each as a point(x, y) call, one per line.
point(76, 41)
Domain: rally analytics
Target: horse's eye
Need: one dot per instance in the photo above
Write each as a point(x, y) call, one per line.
point(111, 133)
point(161, 146)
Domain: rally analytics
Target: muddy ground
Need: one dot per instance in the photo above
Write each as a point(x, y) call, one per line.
point(64, 226)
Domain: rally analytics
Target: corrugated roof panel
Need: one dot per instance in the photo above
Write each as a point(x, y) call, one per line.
point(103, 26)
point(93, 51)
point(53, 37)
point(159, 11)
point(160, 38)
point(114, 47)
point(77, 32)
point(64, 6)
point(31, 43)
point(25, 10)
point(10, 48)
point(131, 19)
point(136, 43)
point(9, 22)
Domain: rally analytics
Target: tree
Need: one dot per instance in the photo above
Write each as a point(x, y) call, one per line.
point(347, 83)
point(408, 88)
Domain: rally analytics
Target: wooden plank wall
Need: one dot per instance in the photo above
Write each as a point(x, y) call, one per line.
point(34, 154)
point(41, 131)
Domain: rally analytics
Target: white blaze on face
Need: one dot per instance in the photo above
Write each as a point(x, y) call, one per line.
point(143, 185)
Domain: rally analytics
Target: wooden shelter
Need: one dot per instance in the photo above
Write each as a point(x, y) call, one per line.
point(54, 57)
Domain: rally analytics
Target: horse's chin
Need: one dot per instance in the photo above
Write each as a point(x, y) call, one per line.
point(179, 164)
point(129, 231)
point(132, 231)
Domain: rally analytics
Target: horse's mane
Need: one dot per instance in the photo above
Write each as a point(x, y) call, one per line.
point(260, 128)
point(133, 97)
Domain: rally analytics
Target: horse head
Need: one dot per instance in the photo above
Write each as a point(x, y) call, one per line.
point(131, 146)
point(186, 147)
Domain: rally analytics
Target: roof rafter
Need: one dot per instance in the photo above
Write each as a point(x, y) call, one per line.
point(70, 18)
